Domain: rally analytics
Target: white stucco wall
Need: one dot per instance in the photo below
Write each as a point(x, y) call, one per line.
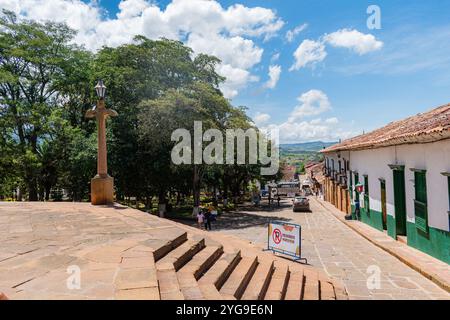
point(433, 157)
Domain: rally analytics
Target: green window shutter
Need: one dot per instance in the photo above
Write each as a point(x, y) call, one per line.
point(421, 186)
point(420, 203)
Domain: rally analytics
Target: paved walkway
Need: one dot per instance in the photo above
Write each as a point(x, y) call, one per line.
point(432, 268)
point(342, 253)
point(78, 251)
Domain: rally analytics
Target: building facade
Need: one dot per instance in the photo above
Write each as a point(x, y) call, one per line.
point(403, 173)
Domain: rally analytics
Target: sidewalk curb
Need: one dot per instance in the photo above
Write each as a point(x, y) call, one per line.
point(429, 275)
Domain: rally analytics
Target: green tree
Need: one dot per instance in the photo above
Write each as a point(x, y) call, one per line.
point(36, 61)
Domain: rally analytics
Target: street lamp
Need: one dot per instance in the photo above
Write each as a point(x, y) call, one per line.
point(100, 88)
point(102, 185)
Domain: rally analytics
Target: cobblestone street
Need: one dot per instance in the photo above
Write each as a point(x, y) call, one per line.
point(329, 244)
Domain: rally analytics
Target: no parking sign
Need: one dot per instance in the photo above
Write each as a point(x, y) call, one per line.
point(285, 238)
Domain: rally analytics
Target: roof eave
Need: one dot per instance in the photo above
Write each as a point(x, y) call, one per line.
point(416, 139)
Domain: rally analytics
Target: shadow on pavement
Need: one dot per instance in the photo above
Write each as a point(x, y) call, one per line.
point(236, 220)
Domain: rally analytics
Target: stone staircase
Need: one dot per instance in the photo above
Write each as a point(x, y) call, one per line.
point(193, 266)
point(123, 253)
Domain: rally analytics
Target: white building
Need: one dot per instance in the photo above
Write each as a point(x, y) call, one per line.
point(404, 172)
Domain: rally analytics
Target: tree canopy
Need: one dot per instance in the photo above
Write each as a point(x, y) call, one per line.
point(48, 148)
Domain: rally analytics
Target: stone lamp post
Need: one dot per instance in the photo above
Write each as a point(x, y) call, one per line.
point(102, 184)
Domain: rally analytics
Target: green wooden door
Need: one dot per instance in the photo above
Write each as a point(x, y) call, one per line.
point(383, 203)
point(356, 194)
point(366, 196)
point(400, 202)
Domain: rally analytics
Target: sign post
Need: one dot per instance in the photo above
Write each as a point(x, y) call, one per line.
point(285, 238)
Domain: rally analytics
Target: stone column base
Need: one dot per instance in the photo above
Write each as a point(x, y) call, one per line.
point(102, 190)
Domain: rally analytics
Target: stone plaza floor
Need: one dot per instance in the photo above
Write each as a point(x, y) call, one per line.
point(342, 253)
point(79, 251)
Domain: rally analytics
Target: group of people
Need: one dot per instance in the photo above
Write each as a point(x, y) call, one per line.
point(205, 216)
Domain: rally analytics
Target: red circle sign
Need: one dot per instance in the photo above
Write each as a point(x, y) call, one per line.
point(276, 236)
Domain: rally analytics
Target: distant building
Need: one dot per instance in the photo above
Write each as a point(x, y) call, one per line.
point(289, 173)
point(403, 171)
point(314, 172)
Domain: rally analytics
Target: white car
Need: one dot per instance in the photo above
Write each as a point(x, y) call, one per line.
point(300, 204)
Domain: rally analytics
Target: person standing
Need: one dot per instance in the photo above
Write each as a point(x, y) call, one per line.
point(200, 219)
point(207, 220)
point(357, 209)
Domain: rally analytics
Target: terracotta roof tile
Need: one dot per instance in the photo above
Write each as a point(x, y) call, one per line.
point(430, 126)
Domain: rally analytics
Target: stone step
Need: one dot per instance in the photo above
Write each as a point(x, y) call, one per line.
point(311, 286)
point(202, 261)
point(181, 255)
point(295, 286)
point(169, 245)
point(215, 277)
point(238, 280)
point(194, 269)
point(327, 291)
point(221, 270)
point(169, 288)
point(278, 284)
point(257, 287)
point(168, 265)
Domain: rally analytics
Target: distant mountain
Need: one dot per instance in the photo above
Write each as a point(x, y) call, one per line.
point(314, 146)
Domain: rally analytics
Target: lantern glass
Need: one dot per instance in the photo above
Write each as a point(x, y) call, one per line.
point(100, 88)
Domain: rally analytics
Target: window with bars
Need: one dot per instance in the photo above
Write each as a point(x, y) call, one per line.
point(420, 201)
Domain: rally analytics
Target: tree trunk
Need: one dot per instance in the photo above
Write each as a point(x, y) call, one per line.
point(162, 203)
point(148, 203)
point(48, 189)
point(32, 189)
point(178, 198)
point(196, 190)
point(215, 196)
point(225, 193)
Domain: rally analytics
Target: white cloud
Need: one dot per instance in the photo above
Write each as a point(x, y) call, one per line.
point(203, 24)
point(291, 34)
point(261, 118)
point(275, 57)
point(298, 129)
point(132, 8)
point(353, 39)
point(308, 52)
point(236, 78)
point(312, 103)
point(304, 131)
point(333, 120)
point(274, 76)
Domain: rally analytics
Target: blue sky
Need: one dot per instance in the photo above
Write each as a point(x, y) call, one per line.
point(406, 74)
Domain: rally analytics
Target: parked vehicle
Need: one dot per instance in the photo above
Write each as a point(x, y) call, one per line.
point(288, 188)
point(300, 204)
point(307, 187)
